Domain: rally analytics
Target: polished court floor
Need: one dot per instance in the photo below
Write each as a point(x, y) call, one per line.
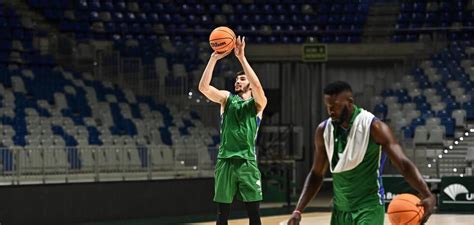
point(324, 217)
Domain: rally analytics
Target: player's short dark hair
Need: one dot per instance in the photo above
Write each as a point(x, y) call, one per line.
point(239, 73)
point(337, 87)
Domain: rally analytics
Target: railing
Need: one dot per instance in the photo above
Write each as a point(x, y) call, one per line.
point(283, 142)
point(52, 164)
point(62, 47)
point(108, 66)
point(151, 82)
point(438, 160)
point(132, 74)
point(143, 79)
point(176, 86)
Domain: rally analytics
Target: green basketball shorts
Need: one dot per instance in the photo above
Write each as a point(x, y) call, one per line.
point(372, 215)
point(237, 177)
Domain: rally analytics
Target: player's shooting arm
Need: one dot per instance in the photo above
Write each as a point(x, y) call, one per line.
point(382, 135)
point(205, 87)
point(314, 180)
point(257, 90)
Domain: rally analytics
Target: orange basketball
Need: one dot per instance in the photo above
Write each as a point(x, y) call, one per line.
point(222, 39)
point(403, 210)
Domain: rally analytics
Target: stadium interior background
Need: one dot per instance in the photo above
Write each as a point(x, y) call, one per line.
point(101, 119)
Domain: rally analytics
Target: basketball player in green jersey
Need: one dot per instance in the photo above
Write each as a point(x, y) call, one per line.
point(352, 143)
point(236, 173)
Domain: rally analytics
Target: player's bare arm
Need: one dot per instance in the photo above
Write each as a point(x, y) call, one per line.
point(314, 180)
point(257, 91)
point(382, 135)
point(205, 87)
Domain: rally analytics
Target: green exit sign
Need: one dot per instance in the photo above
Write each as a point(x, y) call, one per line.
point(315, 53)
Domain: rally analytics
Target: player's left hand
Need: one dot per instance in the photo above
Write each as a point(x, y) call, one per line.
point(239, 47)
point(428, 204)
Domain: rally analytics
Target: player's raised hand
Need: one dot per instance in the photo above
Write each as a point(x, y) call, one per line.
point(239, 48)
point(428, 204)
point(294, 219)
point(218, 56)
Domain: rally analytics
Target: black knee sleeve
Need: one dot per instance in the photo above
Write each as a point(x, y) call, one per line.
point(253, 211)
point(223, 211)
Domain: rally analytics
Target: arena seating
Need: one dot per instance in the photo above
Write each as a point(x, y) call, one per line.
point(431, 110)
point(435, 98)
point(177, 31)
point(43, 106)
point(274, 21)
point(434, 17)
point(78, 111)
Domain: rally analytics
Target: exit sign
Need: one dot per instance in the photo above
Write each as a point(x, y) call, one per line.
point(315, 53)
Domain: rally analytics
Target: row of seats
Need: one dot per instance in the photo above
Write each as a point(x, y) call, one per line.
point(266, 7)
point(433, 6)
point(259, 34)
point(209, 20)
point(294, 37)
point(421, 18)
point(431, 19)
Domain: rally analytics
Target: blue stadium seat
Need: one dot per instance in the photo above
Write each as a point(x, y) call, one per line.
point(417, 122)
point(381, 110)
point(443, 114)
point(426, 113)
point(408, 132)
point(450, 126)
point(419, 100)
point(108, 6)
point(387, 92)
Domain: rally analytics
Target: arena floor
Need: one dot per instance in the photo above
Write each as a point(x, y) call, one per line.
point(324, 217)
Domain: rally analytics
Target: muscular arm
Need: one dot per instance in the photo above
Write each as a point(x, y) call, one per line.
point(382, 135)
point(314, 180)
point(212, 93)
point(257, 91)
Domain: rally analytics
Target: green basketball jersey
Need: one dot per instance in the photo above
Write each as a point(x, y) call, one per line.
point(239, 126)
point(362, 186)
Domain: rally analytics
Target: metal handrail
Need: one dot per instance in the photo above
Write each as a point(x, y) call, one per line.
point(59, 164)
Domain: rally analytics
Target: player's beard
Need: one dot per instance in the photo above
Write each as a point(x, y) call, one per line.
point(343, 117)
point(243, 90)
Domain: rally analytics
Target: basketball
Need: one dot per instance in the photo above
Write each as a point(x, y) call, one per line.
point(404, 210)
point(222, 39)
